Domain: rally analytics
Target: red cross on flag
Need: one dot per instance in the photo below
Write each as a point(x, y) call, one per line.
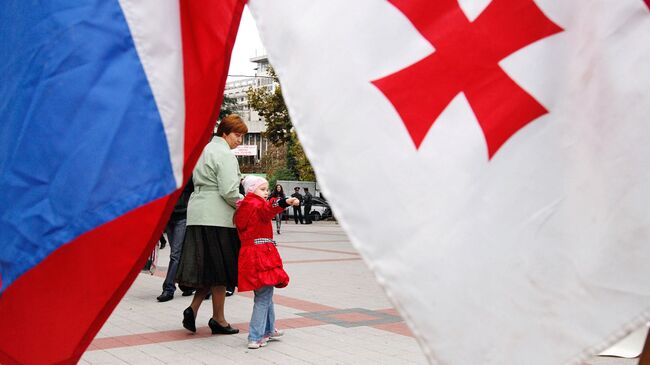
point(489, 159)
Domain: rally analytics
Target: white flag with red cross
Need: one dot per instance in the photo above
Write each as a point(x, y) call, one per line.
point(489, 159)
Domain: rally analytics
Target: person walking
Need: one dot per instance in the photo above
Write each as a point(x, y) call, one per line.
point(260, 265)
point(307, 204)
point(297, 213)
point(175, 230)
point(277, 194)
point(211, 250)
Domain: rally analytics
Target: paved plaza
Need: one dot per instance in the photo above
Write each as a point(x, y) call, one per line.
point(332, 312)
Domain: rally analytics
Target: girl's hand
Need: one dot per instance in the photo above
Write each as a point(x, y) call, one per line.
point(293, 201)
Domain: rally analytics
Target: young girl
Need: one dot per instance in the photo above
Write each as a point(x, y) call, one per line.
point(260, 265)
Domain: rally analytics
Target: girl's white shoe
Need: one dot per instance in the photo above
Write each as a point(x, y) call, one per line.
point(274, 336)
point(254, 345)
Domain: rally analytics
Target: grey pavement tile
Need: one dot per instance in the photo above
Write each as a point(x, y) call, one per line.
point(232, 341)
point(359, 357)
point(269, 354)
point(295, 352)
point(185, 347)
point(409, 358)
point(210, 358)
point(373, 317)
point(182, 359)
point(212, 342)
point(248, 357)
point(100, 357)
point(133, 355)
point(158, 351)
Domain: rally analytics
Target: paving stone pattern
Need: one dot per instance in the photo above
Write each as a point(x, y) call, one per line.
point(332, 312)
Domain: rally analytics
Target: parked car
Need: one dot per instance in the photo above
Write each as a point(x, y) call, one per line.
point(320, 209)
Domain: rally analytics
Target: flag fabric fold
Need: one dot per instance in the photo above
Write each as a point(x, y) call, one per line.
point(106, 107)
point(495, 181)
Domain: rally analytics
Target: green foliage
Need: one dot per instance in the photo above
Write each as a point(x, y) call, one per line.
point(281, 174)
point(299, 161)
point(279, 131)
point(275, 165)
point(228, 106)
point(271, 106)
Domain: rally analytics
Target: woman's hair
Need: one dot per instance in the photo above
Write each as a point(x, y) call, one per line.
point(231, 123)
point(277, 194)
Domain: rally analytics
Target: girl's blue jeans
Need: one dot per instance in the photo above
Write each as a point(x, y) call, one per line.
point(263, 318)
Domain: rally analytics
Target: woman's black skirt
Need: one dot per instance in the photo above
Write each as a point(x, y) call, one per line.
point(209, 257)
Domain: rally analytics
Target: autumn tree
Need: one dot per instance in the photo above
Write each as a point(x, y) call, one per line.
point(228, 106)
point(300, 162)
point(270, 105)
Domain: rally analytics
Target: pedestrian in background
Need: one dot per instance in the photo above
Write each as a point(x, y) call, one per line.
point(211, 250)
point(277, 194)
point(260, 265)
point(175, 230)
point(297, 213)
point(306, 202)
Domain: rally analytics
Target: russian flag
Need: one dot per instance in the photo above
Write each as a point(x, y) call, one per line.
point(105, 108)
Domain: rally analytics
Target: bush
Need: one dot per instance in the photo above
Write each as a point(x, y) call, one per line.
point(282, 173)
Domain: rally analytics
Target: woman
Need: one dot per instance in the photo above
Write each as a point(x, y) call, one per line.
point(277, 194)
point(209, 259)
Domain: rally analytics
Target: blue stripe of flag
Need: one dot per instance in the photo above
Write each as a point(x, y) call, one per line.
point(81, 139)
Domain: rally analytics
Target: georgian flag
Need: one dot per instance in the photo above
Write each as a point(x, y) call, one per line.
point(489, 159)
point(106, 106)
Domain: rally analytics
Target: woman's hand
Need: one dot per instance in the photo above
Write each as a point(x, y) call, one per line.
point(293, 201)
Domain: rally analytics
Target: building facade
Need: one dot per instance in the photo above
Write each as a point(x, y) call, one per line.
point(237, 89)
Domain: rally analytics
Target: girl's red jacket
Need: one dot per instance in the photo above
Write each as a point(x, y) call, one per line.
point(259, 261)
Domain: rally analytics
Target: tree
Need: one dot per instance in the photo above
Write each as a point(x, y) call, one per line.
point(270, 105)
point(300, 161)
point(279, 131)
point(228, 106)
point(274, 163)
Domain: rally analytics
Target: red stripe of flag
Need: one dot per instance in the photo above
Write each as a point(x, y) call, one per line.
point(52, 313)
